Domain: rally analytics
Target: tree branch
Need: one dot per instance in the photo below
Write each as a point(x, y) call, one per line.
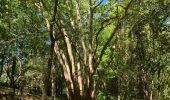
point(97, 5)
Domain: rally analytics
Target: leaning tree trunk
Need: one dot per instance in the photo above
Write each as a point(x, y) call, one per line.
point(47, 71)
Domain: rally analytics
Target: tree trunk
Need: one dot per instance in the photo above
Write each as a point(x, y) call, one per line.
point(53, 87)
point(12, 81)
point(142, 77)
point(47, 72)
point(2, 65)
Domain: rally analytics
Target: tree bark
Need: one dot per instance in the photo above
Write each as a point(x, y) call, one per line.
point(12, 81)
point(142, 77)
point(47, 71)
point(53, 87)
point(2, 65)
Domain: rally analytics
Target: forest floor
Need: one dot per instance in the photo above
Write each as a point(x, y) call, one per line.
point(6, 94)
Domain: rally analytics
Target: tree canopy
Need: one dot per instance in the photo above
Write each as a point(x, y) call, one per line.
point(86, 49)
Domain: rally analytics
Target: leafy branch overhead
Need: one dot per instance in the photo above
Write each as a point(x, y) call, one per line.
point(85, 49)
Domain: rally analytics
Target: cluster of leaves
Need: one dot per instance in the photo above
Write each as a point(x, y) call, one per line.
point(140, 43)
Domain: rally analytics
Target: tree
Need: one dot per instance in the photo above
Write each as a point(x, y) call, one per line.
point(79, 59)
point(99, 49)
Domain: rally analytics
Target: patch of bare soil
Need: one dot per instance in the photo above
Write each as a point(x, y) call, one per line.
point(7, 94)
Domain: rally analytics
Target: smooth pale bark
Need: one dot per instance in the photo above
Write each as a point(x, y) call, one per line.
point(91, 54)
point(69, 49)
point(68, 59)
point(63, 62)
point(78, 60)
point(83, 39)
point(151, 92)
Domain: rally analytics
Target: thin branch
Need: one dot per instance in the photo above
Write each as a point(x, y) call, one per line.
point(97, 5)
point(128, 6)
point(107, 43)
point(111, 36)
point(100, 29)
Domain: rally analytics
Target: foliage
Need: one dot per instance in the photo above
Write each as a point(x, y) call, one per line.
point(93, 49)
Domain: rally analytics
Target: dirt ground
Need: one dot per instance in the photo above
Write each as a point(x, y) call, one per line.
point(6, 94)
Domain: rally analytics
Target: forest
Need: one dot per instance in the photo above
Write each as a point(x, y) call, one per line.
point(84, 49)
